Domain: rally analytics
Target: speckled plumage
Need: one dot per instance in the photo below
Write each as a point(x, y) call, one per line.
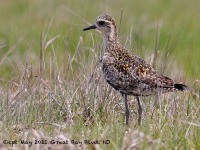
point(127, 73)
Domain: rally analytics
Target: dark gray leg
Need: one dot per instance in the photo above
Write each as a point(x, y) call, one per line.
point(126, 108)
point(158, 99)
point(139, 110)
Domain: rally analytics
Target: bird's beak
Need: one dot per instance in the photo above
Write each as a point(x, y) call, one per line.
point(90, 27)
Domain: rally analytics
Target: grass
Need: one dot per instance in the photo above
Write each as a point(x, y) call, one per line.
point(51, 82)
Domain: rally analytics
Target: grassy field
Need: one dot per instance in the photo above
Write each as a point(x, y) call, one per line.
point(52, 89)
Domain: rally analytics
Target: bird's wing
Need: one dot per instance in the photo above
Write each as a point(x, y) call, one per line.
point(148, 75)
point(132, 71)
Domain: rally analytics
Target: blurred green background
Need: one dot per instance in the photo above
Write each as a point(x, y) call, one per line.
point(176, 24)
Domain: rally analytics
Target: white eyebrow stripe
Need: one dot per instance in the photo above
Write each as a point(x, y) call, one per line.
point(103, 20)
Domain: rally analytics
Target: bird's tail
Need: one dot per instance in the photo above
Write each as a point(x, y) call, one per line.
point(181, 87)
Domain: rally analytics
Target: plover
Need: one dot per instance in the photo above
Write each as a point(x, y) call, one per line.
point(127, 73)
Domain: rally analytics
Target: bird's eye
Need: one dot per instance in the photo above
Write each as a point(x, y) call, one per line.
point(101, 23)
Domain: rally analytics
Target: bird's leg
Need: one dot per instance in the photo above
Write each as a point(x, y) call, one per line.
point(126, 108)
point(158, 99)
point(159, 93)
point(139, 110)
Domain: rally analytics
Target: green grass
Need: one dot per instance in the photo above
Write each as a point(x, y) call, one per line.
point(51, 86)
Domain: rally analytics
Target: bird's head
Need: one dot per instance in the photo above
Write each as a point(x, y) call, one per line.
point(106, 25)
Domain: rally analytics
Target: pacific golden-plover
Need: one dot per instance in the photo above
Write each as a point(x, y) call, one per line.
point(127, 73)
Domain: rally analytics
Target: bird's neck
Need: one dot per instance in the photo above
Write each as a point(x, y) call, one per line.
point(111, 42)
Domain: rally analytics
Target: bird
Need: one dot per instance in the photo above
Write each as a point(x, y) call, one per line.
point(127, 73)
